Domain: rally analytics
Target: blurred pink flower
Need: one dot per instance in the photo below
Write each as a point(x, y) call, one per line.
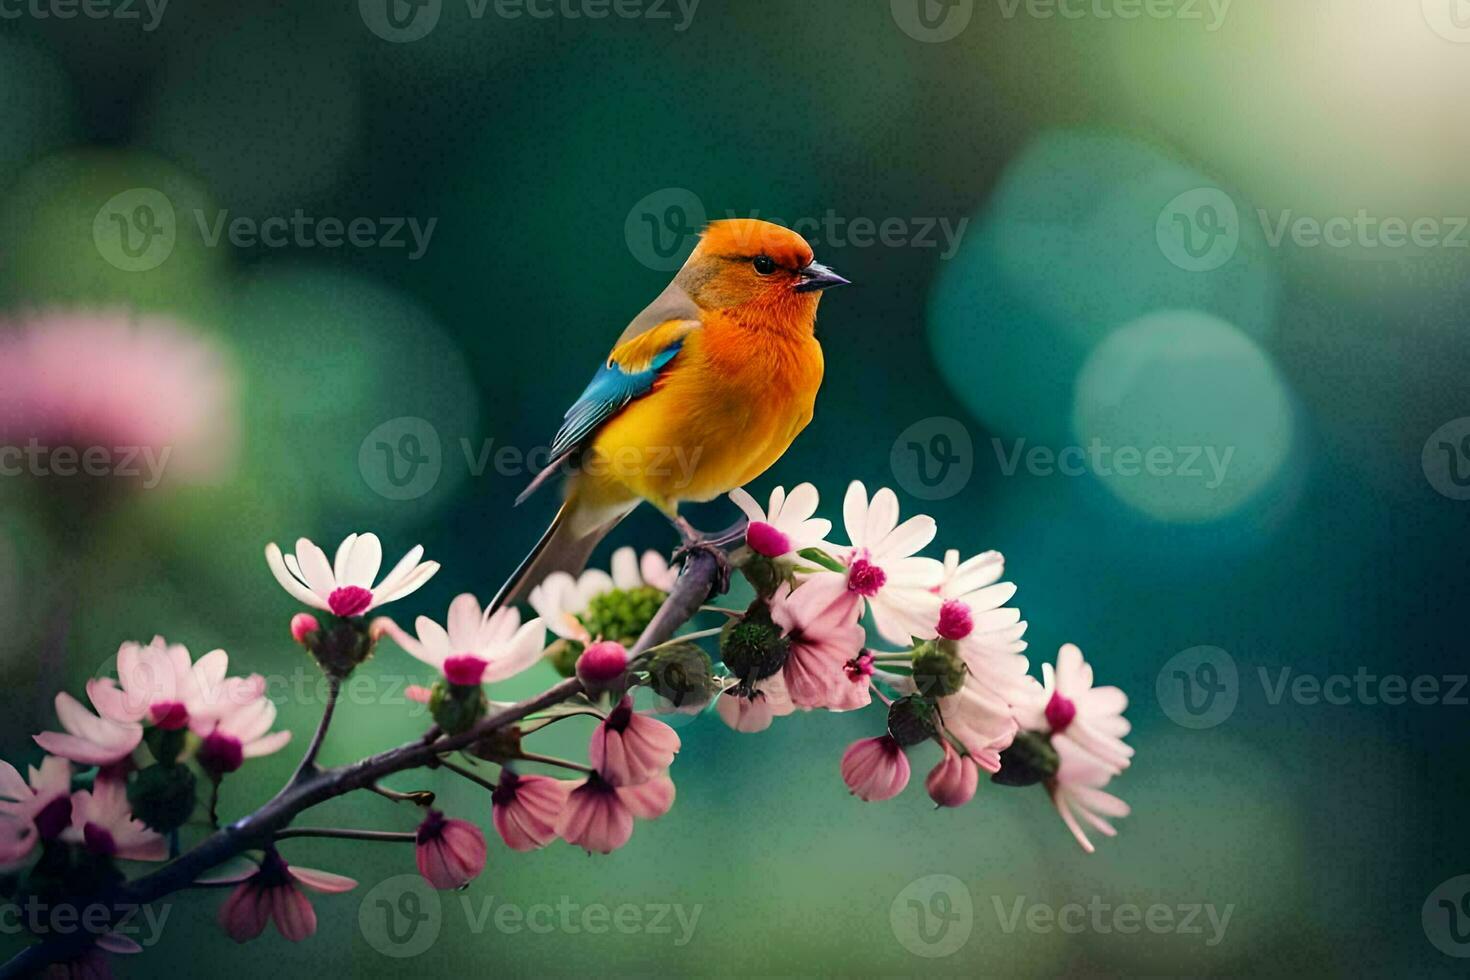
point(599, 816)
point(119, 381)
point(271, 892)
point(525, 809)
point(38, 808)
point(450, 853)
point(102, 822)
point(89, 739)
point(1077, 788)
point(628, 748)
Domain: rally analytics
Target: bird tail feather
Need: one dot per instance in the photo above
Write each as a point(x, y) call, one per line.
point(565, 547)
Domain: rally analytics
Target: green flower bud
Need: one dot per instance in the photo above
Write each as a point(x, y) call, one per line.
point(623, 614)
point(162, 796)
point(681, 674)
point(563, 655)
point(752, 646)
point(456, 707)
point(939, 670)
point(341, 645)
point(763, 574)
point(1030, 760)
point(912, 719)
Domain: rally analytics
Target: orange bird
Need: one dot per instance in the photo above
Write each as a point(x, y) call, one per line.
point(705, 389)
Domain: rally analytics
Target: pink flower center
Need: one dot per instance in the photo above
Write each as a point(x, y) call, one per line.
point(99, 840)
point(168, 715)
point(859, 668)
point(1059, 713)
point(865, 578)
point(464, 669)
point(349, 600)
point(54, 817)
point(955, 622)
point(766, 540)
point(221, 753)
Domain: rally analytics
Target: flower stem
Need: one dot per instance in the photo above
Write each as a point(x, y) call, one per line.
point(469, 774)
point(421, 797)
point(346, 833)
point(551, 760)
point(308, 761)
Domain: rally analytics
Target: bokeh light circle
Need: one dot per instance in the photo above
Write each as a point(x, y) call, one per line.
point(1182, 416)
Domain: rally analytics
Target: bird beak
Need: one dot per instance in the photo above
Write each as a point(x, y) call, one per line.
point(817, 277)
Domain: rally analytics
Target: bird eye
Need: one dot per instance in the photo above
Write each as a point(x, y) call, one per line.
point(764, 265)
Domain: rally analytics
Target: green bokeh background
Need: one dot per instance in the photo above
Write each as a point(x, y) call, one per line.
point(534, 145)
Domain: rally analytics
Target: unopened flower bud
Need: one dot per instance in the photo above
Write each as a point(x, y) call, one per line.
point(763, 574)
point(911, 720)
point(1029, 760)
point(302, 626)
point(939, 670)
point(752, 646)
point(456, 707)
point(681, 674)
point(162, 796)
point(563, 656)
point(342, 646)
point(602, 665)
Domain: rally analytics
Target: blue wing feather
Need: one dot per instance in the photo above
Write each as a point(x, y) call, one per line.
point(610, 390)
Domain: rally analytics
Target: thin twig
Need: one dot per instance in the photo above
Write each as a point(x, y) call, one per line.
point(469, 774)
point(551, 760)
point(422, 797)
point(347, 833)
point(308, 761)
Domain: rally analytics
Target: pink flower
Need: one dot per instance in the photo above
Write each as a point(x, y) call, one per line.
point(974, 611)
point(119, 381)
point(1091, 718)
point(271, 892)
point(102, 822)
point(303, 625)
point(628, 748)
point(35, 809)
point(875, 768)
point(478, 647)
point(89, 739)
point(953, 781)
point(787, 526)
point(345, 587)
point(240, 731)
point(525, 809)
point(881, 570)
point(824, 635)
point(755, 710)
point(983, 721)
point(1077, 788)
point(450, 853)
point(159, 685)
point(601, 664)
point(599, 816)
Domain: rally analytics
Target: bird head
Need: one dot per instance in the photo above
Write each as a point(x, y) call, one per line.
point(753, 267)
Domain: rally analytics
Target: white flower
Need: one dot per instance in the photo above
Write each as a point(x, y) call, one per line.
point(1077, 788)
point(561, 600)
point(1078, 714)
point(345, 588)
point(478, 646)
point(974, 610)
point(787, 526)
point(881, 570)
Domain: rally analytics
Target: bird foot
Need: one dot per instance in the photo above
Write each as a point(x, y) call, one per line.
point(712, 545)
